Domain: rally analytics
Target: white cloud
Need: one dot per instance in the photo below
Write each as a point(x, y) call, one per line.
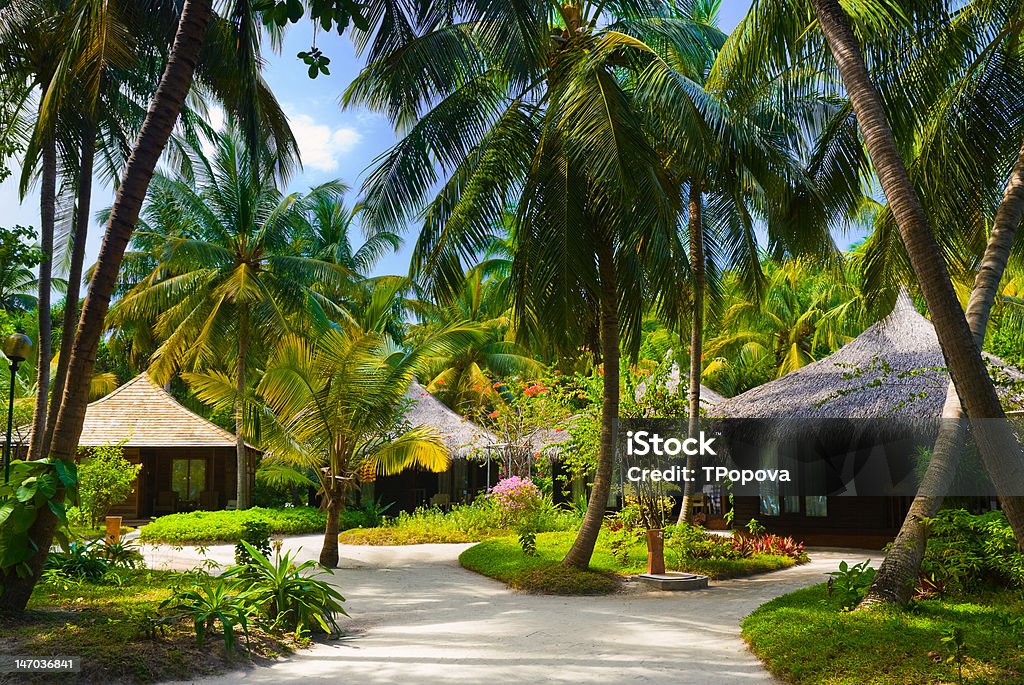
point(322, 147)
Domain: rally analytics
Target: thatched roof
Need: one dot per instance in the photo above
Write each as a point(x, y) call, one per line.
point(142, 414)
point(460, 434)
point(894, 369)
point(708, 397)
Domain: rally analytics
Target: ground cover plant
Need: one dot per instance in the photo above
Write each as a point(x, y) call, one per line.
point(203, 527)
point(112, 619)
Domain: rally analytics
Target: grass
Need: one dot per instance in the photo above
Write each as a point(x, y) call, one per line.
point(503, 559)
point(87, 532)
point(804, 638)
point(204, 527)
point(109, 626)
point(463, 523)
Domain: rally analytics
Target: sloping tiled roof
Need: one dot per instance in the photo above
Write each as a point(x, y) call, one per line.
point(142, 414)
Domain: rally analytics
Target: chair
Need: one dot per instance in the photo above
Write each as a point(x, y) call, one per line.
point(699, 505)
point(442, 500)
point(166, 503)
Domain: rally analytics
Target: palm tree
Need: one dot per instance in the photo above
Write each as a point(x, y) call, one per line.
point(885, 29)
point(805, 313)
point(560, 112)
point(226, 283)
point(999, 448)
point(334, 406)
point(464, 379)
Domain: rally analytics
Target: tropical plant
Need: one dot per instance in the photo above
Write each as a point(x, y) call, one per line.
point(217, 600)
point(334, 406)
point(547, 112)
point(105, 478)
point(849, 583)
point(255, 535)
point(225, 284)
point(79, 561)
point(286, 594)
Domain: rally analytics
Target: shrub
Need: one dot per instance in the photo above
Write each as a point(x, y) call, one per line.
point(255, 535)
point(850, 583)
point(121, 554)
point(206, 604)
point(965, 550)
point(775, 545)
point(514, 497)
point(105, 478)
point(693, 542)
point(227, 526)
point(79, 561)
point(285, 595)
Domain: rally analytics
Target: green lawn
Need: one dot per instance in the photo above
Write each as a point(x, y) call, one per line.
point(804, 638)
point(504, 560)
point(109, 626)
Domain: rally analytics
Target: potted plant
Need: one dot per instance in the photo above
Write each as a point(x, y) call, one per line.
point(654, 511)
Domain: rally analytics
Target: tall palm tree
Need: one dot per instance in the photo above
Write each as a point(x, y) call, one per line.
point(561, 112)
point(884, 31)
point(999, 449)
point(226, 283)
point(972, 138)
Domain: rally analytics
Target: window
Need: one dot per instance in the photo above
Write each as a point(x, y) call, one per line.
point(188, 478)
point(816, 505)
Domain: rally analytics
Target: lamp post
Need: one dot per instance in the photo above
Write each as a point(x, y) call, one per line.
point(17, 349)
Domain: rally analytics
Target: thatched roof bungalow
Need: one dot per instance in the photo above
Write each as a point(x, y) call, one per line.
point(187, 461)
point(893, 371)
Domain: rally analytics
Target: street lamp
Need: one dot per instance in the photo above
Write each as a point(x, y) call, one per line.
point(17, 349)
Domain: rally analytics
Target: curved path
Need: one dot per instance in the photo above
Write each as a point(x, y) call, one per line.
point(417, 618)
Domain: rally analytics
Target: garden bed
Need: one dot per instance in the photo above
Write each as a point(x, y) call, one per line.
point(805, 638)
point(504, 560)
point(109, 625)
point(464, 523)
point(205, 527)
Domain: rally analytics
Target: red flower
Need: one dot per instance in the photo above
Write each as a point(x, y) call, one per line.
point(493, 414)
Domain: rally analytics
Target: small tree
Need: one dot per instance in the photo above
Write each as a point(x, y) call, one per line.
point(105, 478)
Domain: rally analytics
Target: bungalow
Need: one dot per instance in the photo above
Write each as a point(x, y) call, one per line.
point(894, 370)
point(188, 463)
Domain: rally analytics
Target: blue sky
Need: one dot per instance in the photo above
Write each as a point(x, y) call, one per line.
point(334, 143)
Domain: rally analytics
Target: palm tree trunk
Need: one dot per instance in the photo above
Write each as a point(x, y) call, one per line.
point(47, 218)
point(998, 447)
point(696, 336)
point(329, 555)
point(15, 588)
point(241, 451)
point(894, 583)
point(81, 233)
point(583, 547)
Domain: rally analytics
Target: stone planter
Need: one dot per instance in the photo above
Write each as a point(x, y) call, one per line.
point(656, 551)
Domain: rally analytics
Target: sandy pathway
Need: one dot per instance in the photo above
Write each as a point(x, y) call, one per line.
point(417, 618)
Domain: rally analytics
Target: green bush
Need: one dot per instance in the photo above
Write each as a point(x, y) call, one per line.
point(255, 535)
point(105, 478)
point(965, 551)
point(228, 526)
point(462, 523)
point(209, 603)
point(285, 595)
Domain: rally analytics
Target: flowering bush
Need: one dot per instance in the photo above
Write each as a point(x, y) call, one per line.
point(515, 497)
